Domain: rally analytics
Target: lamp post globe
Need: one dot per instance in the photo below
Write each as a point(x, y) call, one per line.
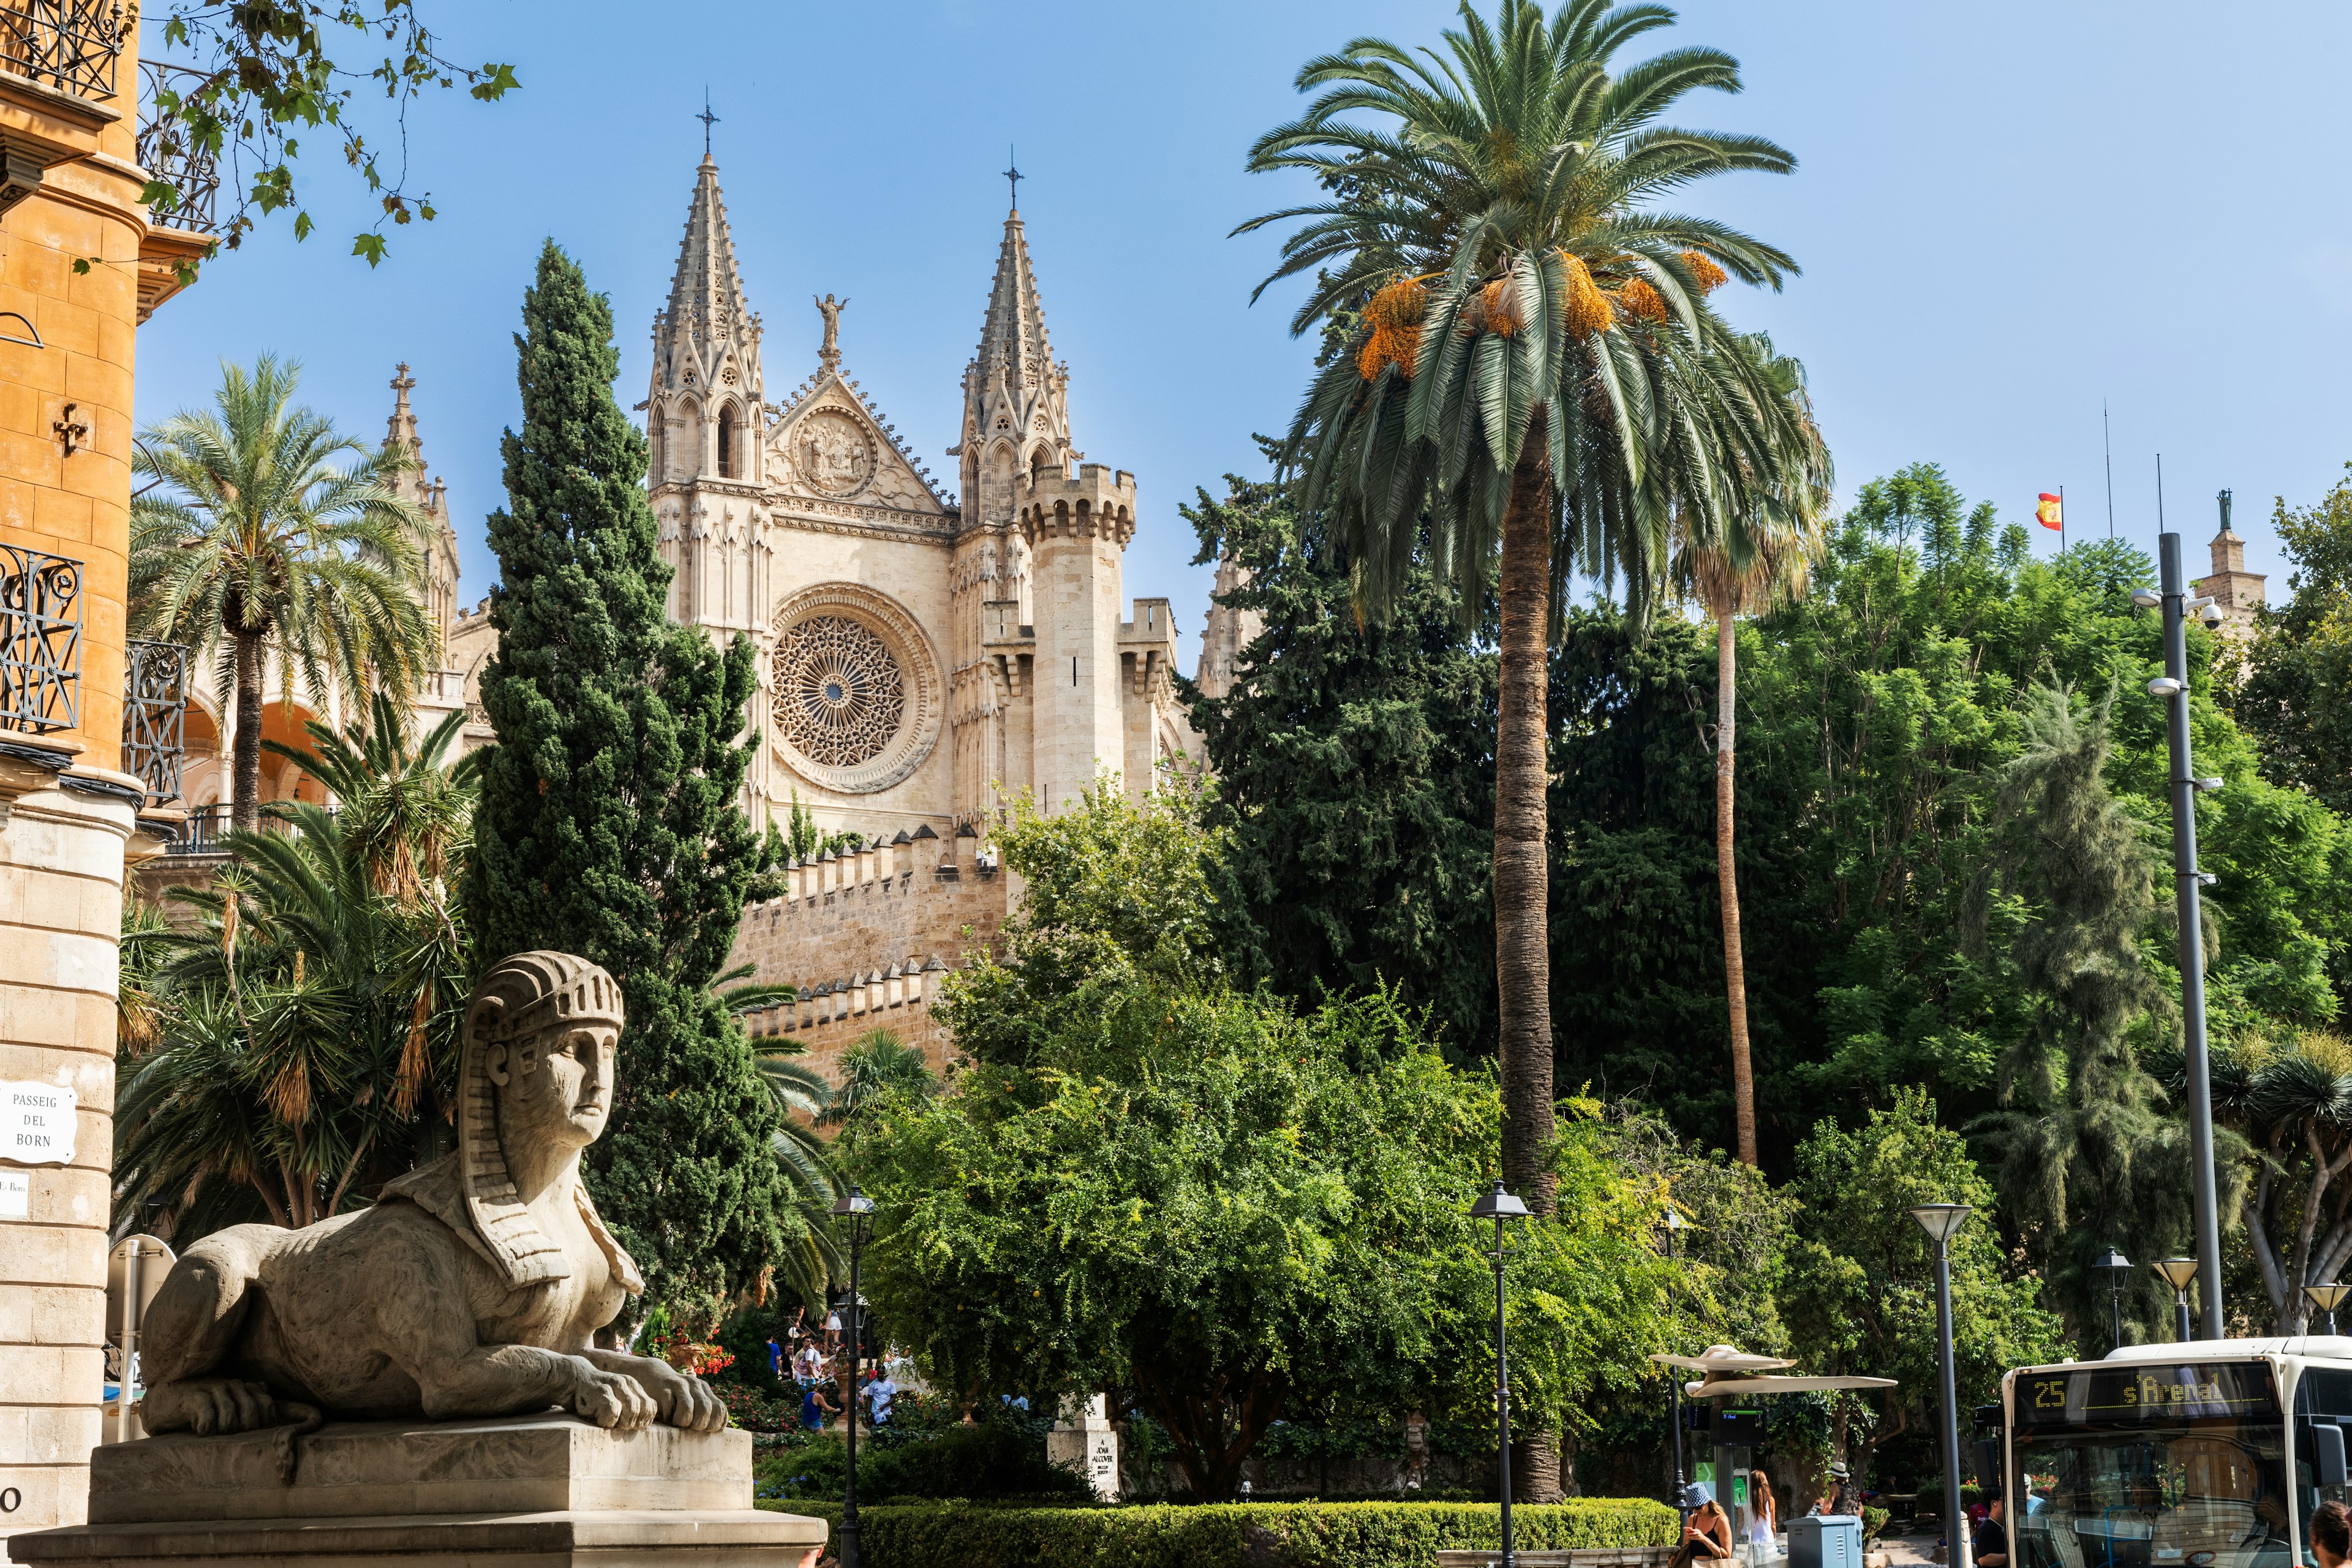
point(2116, 1267)
point(1497, 1205)
point(1942, 1222)
point(2327, 1298)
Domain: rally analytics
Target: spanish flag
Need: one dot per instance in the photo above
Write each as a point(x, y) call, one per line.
point(2048, 513)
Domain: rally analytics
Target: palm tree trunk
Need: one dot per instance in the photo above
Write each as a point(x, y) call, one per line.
point(246, 767)
point(1727, 878)
point(1522, 876)
point(1522, 770)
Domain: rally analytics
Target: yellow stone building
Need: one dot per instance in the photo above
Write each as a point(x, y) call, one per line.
point(82, 264)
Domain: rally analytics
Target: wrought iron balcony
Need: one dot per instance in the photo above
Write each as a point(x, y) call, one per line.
point(70, 44)
point(40, 641)
point(170, 155)
point(206, 831)
point(155, 716)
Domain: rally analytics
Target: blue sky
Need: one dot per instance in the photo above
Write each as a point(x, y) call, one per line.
point(2005, 213)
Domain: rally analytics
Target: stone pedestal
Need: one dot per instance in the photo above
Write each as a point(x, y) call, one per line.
point(536, 1492)
point(1086, 1441)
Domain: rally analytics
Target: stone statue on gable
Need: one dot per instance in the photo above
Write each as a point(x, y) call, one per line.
point(474, 1286)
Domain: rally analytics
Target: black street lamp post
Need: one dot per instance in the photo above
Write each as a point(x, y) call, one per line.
point(2178, 604)
point(2116, 1266)
point(1942, 1222)
point(855, 1206)
point(2177, 1272)
point(2327, 1298)
point(1676, 1226)
point(1497, 1205)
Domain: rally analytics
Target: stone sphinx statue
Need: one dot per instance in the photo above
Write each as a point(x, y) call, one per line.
point(473, 1286)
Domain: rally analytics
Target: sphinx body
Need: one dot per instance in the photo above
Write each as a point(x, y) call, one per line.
point(474, 1286)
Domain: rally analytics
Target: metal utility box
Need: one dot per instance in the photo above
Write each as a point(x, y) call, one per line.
point(1825, 1541)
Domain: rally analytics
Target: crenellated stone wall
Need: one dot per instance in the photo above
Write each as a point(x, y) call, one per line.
point(868, 937)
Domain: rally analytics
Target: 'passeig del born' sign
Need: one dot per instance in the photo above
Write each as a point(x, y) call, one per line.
point(37, 1123)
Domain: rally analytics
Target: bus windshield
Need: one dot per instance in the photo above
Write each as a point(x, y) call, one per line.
point(2151, 1467)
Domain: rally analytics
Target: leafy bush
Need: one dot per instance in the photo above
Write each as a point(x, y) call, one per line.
point(1232, 1535)
point(993, 1460)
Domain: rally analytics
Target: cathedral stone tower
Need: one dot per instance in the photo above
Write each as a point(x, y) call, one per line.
point(431, 499)
point(705, 420)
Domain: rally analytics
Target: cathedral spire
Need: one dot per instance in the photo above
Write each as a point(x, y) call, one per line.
point(1016, 399)
point(705, 295)
point(1013, 346)
point(429, 497)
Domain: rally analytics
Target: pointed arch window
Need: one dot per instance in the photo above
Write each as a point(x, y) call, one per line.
point(727, 443)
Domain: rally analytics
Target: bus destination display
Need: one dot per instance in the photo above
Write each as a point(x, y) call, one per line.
point(2126, 1394)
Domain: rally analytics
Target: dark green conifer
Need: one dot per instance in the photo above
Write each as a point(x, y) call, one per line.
point(607, 825)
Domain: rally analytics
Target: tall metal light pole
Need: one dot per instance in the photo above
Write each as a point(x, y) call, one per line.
point(2116, 1265)
point(2327, 1298)
point(1676, 1226)
point(2177, 1272)
point(1497, 1205)
point(1942, 1222)
point(2173, 687)
point(855, 1206)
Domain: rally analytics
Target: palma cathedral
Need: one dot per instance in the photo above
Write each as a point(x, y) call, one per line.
point(926, 657)
point(928, 654)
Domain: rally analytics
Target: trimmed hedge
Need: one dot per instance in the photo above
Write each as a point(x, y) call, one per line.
point(1230, 1535)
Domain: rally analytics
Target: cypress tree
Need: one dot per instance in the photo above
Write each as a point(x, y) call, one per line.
point(607, 825)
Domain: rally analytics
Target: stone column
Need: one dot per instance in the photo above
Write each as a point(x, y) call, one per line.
point(61, 867)
point(1086, 1440)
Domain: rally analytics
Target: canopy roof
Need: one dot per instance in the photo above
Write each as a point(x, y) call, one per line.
point(1724, 1365)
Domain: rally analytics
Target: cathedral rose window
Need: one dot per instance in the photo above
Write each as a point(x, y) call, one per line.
point(839, 694)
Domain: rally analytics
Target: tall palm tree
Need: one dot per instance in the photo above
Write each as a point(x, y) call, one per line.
point(1757, 561)
point(1523, 376)
point(264, 545)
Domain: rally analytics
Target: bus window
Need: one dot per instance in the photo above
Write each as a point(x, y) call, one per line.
point(2322, 1395)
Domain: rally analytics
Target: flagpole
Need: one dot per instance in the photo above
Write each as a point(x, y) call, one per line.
point(2106, 440)
point(2061, 520)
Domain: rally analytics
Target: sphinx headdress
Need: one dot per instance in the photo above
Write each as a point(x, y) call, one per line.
point(519, 999)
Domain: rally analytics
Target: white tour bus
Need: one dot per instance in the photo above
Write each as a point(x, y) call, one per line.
point(2205, 1455)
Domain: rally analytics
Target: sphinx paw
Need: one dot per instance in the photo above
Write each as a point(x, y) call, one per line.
point(208, 1406)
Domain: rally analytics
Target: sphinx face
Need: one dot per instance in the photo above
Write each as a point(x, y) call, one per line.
point(557, 1088)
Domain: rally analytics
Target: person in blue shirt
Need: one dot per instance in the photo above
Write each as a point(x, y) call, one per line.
point(816, 1408)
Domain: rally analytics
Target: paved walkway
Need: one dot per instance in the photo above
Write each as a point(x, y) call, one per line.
point(1909, 1551)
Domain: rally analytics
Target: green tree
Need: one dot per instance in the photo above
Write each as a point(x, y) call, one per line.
point(879, 1071)
point(261, 550)
point(1212, 1204)
point(299, 1045)
point(2285, 1098)
point(1636, 929)
point(1354, 778)
point(1861, 1294)
point(608, 826)
point(237, 82)
point(1535, 381)
point(1750, 562)
point(2294, 694)
point(2091, 1155)
point(405, 807)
